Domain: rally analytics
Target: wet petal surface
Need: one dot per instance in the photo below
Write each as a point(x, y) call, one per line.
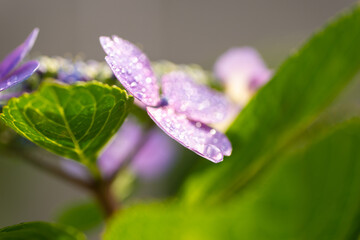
point(132, 68)
point(203, 140)
point(197, 102)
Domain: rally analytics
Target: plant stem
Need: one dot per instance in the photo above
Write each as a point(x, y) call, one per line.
point(96, 185)
point(102, 192)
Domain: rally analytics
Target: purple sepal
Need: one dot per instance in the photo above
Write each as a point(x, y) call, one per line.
point(17, 55)
point(242, 72)
point(176, 114)
point(132, 68)
point(156, 156)
point(119, 149)
point(196, 136)
point(245, 60)
point(197, 102)
point(6, 96)
point(19, 75)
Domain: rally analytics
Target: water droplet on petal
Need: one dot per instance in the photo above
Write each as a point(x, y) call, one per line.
point(213, 152)
point(148, 80)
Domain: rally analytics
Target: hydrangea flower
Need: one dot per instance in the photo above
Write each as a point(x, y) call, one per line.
point(184, 109)
point(147, 161)
point(242, 71)
point(9, 76)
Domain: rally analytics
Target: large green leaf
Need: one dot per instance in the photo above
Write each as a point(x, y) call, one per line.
point(74, 121)
point(40, 231)
point(281, 111)
point(312, 193)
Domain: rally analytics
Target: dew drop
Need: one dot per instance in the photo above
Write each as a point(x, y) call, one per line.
point(213, 152)
point(148, 80)
point(134, 59)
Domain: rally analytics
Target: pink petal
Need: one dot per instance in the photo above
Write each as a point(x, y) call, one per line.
point(197, 102)
point(203, 140)
point(132, 68)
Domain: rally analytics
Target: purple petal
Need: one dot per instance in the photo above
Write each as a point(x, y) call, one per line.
point(197, 102)
point(244, 61)
point(123, 144)
point(19, 75)
point(155, 157)
point(132, 68)
point(7, 96)
point(203, 140)
point(17, 55)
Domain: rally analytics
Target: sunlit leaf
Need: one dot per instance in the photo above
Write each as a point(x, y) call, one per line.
point(312, 193)
point(74, 121)
point(281, 111)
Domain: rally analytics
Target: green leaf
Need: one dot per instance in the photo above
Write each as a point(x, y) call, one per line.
point(83, 216)
point(282, 110)
point(312, 193)
point(40, 231)
point(74, 121)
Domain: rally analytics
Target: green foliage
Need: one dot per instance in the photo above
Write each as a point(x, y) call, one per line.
point(40, 231)
point(281, 111)
point(74, 121)
point(83, 216)
point(308, 194)
point(302, 191)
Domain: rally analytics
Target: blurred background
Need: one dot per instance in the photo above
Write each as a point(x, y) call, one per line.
point(187, 31)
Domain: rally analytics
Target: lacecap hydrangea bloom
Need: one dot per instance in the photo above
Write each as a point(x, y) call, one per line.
point(184, 109)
